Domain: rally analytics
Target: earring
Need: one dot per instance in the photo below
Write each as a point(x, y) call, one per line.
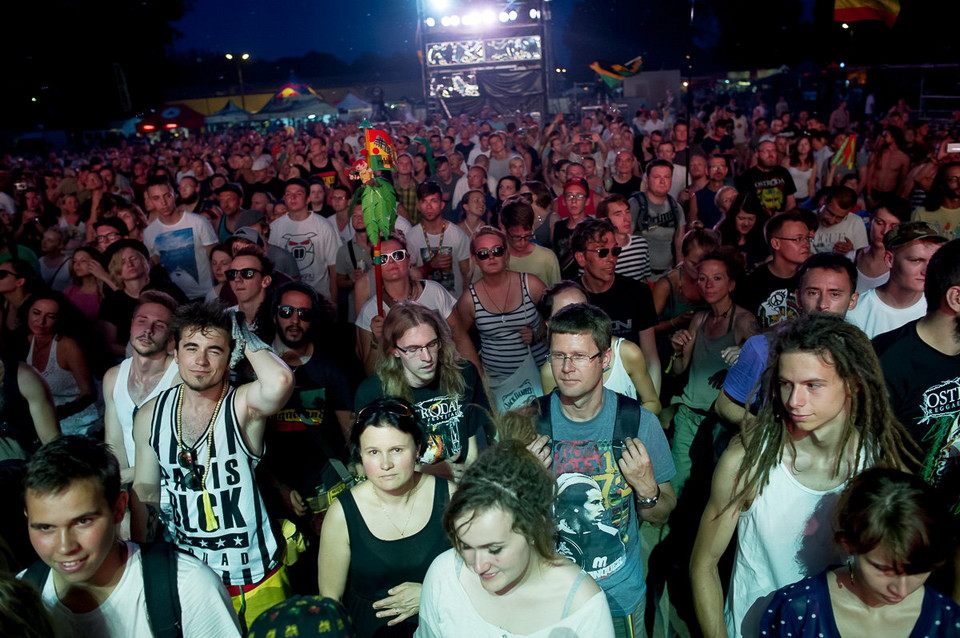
point(850, 567)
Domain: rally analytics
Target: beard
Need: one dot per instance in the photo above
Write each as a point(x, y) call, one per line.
point(297, 339)
point(192, 199)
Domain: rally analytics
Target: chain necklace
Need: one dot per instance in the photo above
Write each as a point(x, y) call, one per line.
point(207, 507)
point(500, 310)
point(426, 238)
point(413, 502)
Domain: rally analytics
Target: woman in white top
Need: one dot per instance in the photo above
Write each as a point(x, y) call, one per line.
point(627, 373)
point(503, 577)
point(803, 168)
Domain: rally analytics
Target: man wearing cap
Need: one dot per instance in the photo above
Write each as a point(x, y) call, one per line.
point(230, 196)
point(178, 240)
point(252, 226)
point(909, 247)
point(309, 238)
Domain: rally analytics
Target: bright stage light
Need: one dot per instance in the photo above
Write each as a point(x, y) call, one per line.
point(471, 19)
point(504, 16)
point(534, 14)
point(430, 22)
point(513, 16)
point(445, 21)
point(489, 17)
point(439, 5)
point(454, 21)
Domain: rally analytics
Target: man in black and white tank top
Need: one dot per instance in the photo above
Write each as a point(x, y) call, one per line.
point(197, 445)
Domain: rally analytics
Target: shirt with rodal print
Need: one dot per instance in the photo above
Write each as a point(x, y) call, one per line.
point(447, 421)
point(596, 517)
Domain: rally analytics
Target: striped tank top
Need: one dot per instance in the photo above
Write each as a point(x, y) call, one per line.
point(502, 351)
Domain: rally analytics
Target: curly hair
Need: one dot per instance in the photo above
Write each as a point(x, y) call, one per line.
point(880, 439)
point(203, 317)
point(403, 316)
point(510, 478)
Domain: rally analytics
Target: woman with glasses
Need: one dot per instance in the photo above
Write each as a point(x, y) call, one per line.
point(896, 532)
point(379, 538)
point(503, 305)
point(503, 576)
point(399, 285)
point(417, 361)
point(707, 350)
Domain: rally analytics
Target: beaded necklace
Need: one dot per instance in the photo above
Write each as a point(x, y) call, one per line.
point(426, 238)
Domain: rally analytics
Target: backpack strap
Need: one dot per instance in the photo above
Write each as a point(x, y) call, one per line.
point(643, 221)
point(353, 258)
point(544, 425)
point(160, 589)
point(625, 425)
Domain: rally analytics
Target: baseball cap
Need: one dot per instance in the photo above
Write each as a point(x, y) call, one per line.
point(304, 616)
point(250, 235)
point(902, 234)
point(576, 183)
point(261, 163)
point(249, 217)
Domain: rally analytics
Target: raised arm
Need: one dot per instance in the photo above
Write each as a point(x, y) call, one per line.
point(263, 397)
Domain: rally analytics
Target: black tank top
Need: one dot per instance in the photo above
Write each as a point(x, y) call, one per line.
point(15, 420)
point(377, 565)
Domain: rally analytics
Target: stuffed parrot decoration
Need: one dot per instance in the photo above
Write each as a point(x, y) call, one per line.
point(376, 196)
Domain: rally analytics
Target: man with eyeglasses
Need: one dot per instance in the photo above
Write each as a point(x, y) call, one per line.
point(197, 445)
point(628, 302)
point(838, 231)
point(517, 218)
point(771, 182)
point(109, 231)
point(588, 431)
point(768, 290)
point(314, 424)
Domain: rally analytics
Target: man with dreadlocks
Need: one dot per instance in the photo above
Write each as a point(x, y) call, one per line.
point(825, 417)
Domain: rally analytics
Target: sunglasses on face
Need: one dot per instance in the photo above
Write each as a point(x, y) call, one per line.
point(285, 312)
point(246, 273)
point(188, 461)
point(496, 251)
point(397, 256)
point(603, 252)
point(5, 273)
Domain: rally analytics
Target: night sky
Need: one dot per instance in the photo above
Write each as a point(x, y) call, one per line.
point(270, 30)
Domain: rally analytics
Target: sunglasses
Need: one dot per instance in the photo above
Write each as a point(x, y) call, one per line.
point(496, 251)
point(603, 252)
point(246, 273)
point(188, 461)
point(397, 256)
point(285, 312)
point(5, 273)
point(388, 406)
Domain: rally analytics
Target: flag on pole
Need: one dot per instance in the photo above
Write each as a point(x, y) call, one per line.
point(612, 74)
point(380, 152)
point(886, 11)
point(847, 153)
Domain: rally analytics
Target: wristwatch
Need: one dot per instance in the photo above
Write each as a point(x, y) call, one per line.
point(647, 503)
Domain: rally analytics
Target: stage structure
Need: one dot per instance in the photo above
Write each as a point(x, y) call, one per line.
point(483, 53)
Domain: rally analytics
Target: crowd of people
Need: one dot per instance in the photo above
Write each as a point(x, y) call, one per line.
point(602, 365)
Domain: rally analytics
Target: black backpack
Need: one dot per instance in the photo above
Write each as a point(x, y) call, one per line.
point(159, 587)
point(625, 425)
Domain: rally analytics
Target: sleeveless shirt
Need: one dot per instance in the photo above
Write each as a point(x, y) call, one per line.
point(64, 389)
point(502, 351)
point(377, 565)
point(619, 381)
point(707, 367)
point(126, 408)
point(244, 547)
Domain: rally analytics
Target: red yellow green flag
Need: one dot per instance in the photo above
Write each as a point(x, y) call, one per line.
point(886, 11)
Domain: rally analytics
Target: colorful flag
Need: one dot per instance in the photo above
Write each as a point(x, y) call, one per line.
point(847, 153)
point(886, 11)
point(381, 155)
point(612, 74)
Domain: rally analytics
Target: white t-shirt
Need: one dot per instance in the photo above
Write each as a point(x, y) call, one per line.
point(313, 242)
point(875, 317)
point(850, 227)
point(434, 296)
point(452, 241)
point(446, 610)
point(181, 248)
point(207, 611)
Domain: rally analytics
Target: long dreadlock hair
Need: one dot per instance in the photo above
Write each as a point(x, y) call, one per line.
point(880, 439)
